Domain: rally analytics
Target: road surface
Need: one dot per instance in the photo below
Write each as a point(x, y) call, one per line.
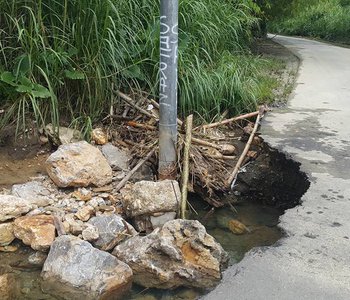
point(313, 261)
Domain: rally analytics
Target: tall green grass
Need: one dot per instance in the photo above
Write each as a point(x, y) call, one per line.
point(62, 59)
point(325, 19)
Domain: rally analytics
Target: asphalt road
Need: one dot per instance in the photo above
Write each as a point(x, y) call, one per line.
point(313, 260)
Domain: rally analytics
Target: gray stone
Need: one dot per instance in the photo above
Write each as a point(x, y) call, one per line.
point(76, 270)
point(66, 135)
point(148, 197)
point(78, 165)
point(160, 220)
point(12, 207)
point(179, 254)
point(112, 230)
point(6, 234)
point(118, 159)
point(34, 191)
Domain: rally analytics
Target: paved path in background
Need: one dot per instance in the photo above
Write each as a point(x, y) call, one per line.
point(313, 261)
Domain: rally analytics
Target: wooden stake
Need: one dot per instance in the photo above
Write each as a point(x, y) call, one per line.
point(133, 171)
point(246, 148)
point(186, 165)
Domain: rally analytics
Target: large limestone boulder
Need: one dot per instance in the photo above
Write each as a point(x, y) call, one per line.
point(148, 197)
point(112, 231)
point(36, 231)
point(179, 254)
point(78, 164)
point(6, 234)
point(76, 270)
point(12, 207)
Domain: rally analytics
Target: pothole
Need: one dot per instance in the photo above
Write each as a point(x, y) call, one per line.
point(264, 189)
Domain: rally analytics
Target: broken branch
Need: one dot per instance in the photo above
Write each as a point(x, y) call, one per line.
point(227, 121)
point(128, 100)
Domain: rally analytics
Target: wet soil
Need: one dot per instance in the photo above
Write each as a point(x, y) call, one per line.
point(21, 157)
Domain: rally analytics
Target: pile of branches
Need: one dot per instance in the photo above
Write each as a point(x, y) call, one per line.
point(213, 162)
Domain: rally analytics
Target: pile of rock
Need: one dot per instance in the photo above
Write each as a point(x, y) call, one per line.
point(80, 219)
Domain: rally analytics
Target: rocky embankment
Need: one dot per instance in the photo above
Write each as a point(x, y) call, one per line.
point(93, 242)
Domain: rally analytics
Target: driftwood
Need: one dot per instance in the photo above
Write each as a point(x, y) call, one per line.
point(246, 149)
point(128, 100)
point(186, 167)
point(227, 121)
point(134, 170)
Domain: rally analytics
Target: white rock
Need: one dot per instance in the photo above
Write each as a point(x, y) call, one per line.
point(90, 233)
point(148, 197)
point(13, 207)
point(78, 165)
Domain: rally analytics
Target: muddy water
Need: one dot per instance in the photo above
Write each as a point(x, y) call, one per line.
point(260, 220)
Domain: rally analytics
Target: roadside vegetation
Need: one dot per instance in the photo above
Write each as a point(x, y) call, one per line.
point(324, 19)
point(63, 60)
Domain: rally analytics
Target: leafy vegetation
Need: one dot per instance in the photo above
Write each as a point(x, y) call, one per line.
point(66, 57)
point(325, 19)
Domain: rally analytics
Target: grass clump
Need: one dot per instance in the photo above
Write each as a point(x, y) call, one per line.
point(62, 59)
point(326, 19)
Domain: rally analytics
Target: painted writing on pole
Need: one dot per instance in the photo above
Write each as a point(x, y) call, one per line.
point(168, 54)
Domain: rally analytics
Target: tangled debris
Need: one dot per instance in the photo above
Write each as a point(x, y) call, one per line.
point(217, 153)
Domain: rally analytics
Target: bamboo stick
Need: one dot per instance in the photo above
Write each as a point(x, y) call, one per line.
point(246, 148)
point(205, 143)
point(133, 171)
point(186, 165)
point(220, 156)
point(227, 121)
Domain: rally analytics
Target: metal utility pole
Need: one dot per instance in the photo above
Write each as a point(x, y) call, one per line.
point(168, 88)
